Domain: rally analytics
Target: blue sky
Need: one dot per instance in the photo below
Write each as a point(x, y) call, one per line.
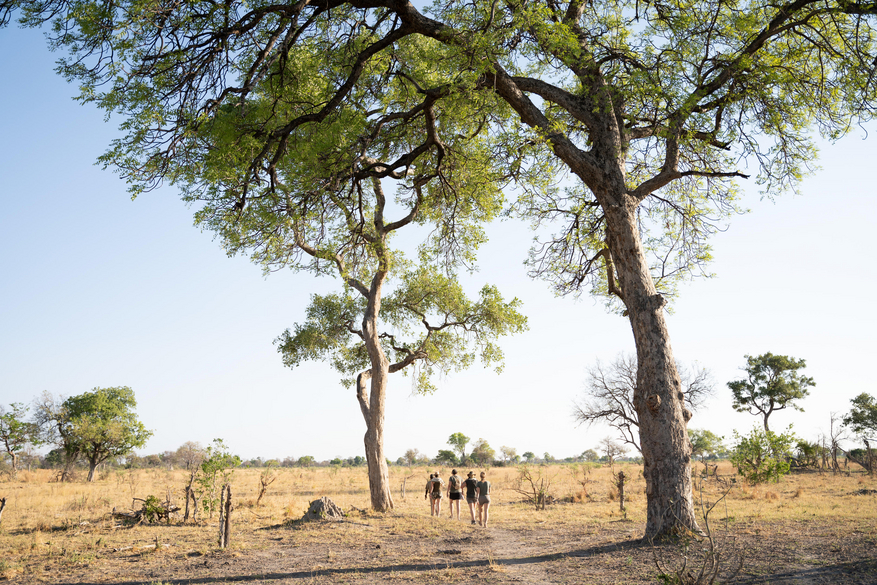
point(99, 290)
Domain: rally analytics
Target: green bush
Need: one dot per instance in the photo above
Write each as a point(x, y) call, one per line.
point(763, 455)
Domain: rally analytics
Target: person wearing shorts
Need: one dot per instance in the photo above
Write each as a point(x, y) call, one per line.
point(435, 495)
point(483, 490)
point(428, 490)
point(471, 494)
point(455, 493)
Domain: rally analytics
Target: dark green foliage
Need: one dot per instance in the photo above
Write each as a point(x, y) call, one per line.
point(862, 419)
point(773, 383)
point(15, 432)
point(446, 457)
point(458, 442)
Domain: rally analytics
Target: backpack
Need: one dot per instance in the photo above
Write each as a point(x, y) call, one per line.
point(454, 483)
point(437, 486)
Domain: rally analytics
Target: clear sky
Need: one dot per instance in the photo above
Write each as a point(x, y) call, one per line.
point(97, 290)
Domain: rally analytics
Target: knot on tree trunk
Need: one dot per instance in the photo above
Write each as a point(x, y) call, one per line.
point(653, 402)
point(686, 414)
point(655, 302)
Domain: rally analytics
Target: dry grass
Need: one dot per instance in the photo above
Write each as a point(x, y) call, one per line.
point(52, 528)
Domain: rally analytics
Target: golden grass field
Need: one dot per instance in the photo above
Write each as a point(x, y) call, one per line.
point(63, 532)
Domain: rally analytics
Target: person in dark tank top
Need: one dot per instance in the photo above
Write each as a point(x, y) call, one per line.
point(471, 486)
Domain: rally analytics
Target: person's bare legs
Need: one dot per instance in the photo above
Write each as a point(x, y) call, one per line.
point(479, 513)
point(472, 511)
point(438, 506)
point(486, 513)
point(451, 505)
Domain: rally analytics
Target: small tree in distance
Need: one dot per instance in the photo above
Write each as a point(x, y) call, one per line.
point(772, 383)
point(16, 433)
point(704, 444)
point(458, 442)
point(190, 454)
point(590, 455)
point(411, 456)
point(862, 419)
point(612, 449)
point(482, 452)
point(529, 456)
point(447, 457)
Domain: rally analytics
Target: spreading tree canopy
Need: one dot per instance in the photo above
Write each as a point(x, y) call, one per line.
point(94, 425)
point(862, 418)
point(16, 433)
point(649, 110)
point(772, 383)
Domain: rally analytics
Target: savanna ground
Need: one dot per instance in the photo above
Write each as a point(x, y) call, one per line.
point(808, 528)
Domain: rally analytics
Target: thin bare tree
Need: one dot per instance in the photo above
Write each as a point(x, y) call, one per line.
point(610, 390)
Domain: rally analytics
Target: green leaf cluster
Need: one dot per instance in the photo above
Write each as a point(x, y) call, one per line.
point(762, 456)
point(16, 433)
point(862, 418)
point(773, 383)
point(101, 424)
point(214, 472)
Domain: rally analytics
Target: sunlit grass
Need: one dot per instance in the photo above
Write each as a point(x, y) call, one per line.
point(49, 526)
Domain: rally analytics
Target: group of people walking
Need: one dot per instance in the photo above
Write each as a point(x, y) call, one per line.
point(477, 495)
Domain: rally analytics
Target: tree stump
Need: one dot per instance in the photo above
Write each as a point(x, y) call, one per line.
point(225, 508)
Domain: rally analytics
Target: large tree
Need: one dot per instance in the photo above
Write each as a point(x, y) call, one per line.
point(650, 108)
point(772, 383)
point(94, 425)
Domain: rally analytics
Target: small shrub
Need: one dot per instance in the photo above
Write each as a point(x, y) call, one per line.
point(763, 455)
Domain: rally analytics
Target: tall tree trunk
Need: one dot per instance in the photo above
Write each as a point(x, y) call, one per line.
point(91, 467)
point(659, 401)
point(373, 403)
point(372, 406)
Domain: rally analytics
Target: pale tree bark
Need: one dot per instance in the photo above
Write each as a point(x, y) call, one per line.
point(373, 405)
point(659, 400)
point(371, 393)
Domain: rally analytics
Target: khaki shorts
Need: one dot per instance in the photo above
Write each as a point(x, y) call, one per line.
point(484, 499)
point(472, 500)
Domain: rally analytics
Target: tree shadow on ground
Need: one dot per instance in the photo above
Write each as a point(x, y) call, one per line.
point(830, 574)
point(405, 567)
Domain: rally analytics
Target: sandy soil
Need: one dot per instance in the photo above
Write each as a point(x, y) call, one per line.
point(396, 549)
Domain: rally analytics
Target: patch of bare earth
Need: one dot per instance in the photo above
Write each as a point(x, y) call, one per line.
point(399, 548)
